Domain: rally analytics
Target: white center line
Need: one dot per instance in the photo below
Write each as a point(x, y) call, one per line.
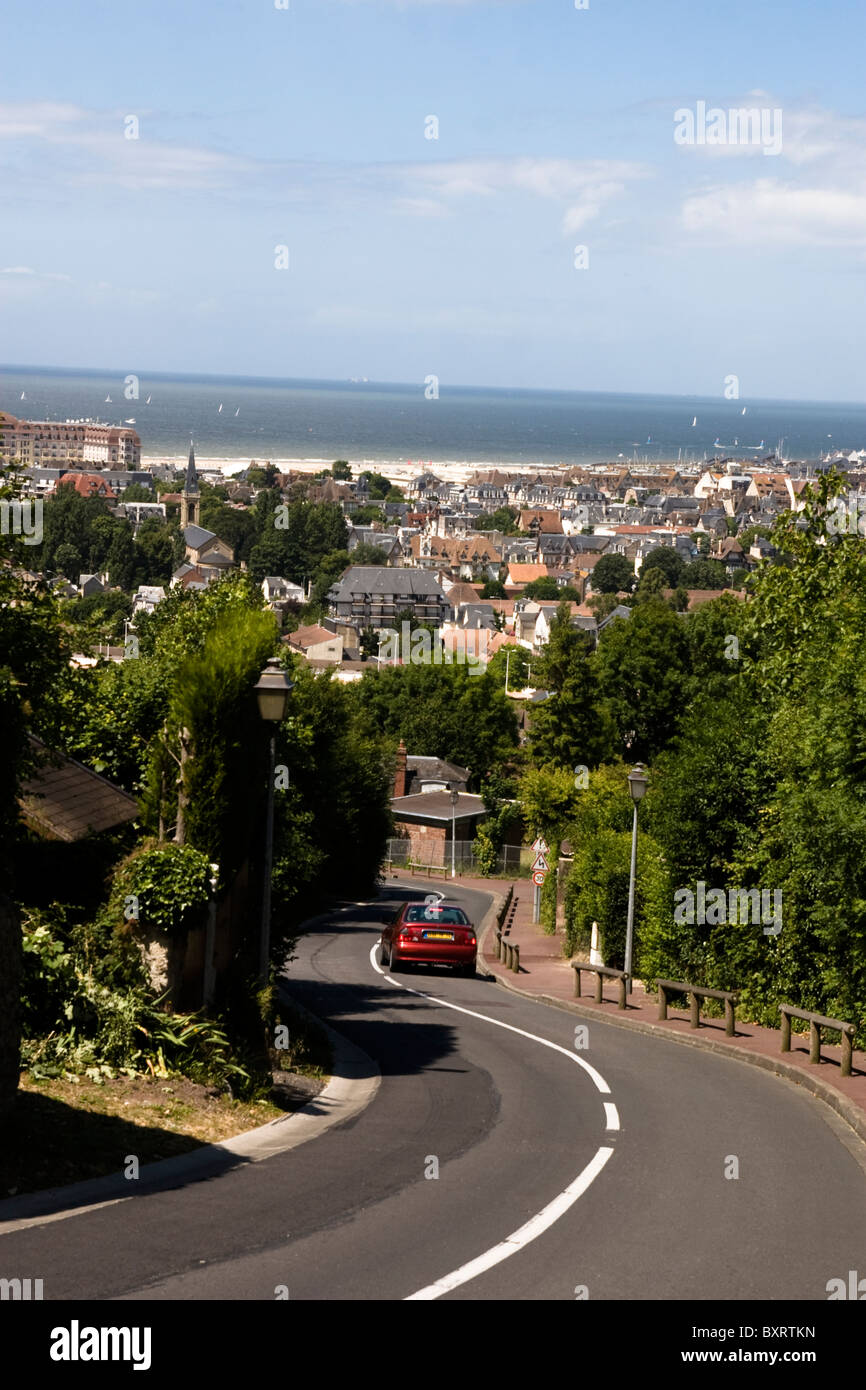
point(560, 1204)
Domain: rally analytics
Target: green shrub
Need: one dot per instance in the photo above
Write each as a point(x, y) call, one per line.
point(162, 885)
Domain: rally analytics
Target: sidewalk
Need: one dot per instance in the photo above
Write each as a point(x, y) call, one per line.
point(546, 974)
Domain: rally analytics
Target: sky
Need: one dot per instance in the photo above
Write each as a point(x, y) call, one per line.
point(560, 230)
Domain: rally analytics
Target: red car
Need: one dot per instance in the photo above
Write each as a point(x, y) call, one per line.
point(429, 933)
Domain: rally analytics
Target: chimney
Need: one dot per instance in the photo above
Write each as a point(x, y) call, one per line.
point(400, 774)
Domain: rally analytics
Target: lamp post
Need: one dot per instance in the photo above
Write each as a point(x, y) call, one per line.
point(455, 797)
point(637, 785)
point(272, 693)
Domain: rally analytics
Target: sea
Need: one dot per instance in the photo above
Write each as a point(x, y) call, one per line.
point(235, 419)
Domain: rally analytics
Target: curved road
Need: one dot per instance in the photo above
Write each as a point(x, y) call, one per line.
point(607, 1163)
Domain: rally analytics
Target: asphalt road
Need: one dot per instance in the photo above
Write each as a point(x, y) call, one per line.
point(609, 1160)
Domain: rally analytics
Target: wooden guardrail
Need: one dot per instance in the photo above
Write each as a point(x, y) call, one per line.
point(816, 1023)
point(508, 952)
point(698, 992)
point(601, 972)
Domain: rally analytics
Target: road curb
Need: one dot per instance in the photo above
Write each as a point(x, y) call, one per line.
point(851, 1114)
point(355, 1080)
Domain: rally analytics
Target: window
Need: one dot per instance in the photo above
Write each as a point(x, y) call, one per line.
point(435, 912)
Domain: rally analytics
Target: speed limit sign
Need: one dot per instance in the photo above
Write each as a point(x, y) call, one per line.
point(538, 879)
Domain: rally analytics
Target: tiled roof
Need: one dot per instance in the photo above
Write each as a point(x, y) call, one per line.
point(67, 801)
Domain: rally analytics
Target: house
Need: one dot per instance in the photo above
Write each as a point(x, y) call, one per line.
point(540, 520)
point(316, 643)
point(581, 618)
point(89, 584)
point(207, 552)
point(146, 598)
point(374, 596)
point(87, 485)
point(519, 575)
point(425, 774)
point(384, 540)
point(276, 589)
point(64, 800)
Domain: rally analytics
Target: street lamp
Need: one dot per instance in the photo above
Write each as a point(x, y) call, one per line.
point(272, 693)
point(455, 797)
point(637, 785)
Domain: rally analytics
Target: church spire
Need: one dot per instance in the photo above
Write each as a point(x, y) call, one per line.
point(190, 499)
point(190, 487)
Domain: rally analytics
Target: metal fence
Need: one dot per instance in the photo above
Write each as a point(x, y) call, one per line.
point(512, 860)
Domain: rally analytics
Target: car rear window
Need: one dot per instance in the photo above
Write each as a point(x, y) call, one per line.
point(450, 916)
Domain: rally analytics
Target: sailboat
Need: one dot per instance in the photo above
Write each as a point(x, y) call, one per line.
point(108, 400)
point(130, 421)
point(694, 422)
point(219, 412)
point(237, 412)
point(743, 411)
point(147, 402)
point(23, 395)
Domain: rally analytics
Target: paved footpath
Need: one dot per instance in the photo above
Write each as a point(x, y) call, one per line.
point(546, 973)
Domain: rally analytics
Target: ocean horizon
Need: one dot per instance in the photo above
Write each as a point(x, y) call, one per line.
point(237, 418)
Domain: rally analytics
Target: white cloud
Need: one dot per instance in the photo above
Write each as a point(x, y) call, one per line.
point(771, 211)
point(586, 186)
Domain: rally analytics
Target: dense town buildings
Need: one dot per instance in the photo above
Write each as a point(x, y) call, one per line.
point(53, 442)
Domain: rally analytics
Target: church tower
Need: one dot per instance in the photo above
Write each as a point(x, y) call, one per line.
point(190, 495)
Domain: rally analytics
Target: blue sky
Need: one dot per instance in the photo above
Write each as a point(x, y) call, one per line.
point(305, 127)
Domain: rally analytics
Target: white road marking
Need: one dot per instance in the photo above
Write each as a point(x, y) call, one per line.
point(544, 1219)
point(597, 1078)
point(518, 1239)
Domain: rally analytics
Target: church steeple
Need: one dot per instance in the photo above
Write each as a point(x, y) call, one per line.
point(191, 494)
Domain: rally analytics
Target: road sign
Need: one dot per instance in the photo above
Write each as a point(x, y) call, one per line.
point(538, 879)
point(540, 864)
point(541, 846)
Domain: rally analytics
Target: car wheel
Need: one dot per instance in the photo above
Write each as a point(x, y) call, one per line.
point(393, 963)
point(383, 954)
point(467, 971)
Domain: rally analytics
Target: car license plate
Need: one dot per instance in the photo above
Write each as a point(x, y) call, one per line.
point(438, 936)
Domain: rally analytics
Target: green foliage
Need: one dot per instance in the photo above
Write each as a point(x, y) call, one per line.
point(669, 561)
point(704, 574)
point(444, 711)
point(504, 519)
point(550, 891)
point(547, 589)
point(571, 726)
point(168, 882)
point(493, 588)
point(643, 669)
point(377, 484)
point(613, 574)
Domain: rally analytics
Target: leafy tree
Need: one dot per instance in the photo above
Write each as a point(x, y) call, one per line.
point(341, 470)
point(33, 654)
point(613, 574)
point(378, 485)
point(137, 492)
point(571, 726)
point(367, 515)
point(643, 670)
point(493, 588)
point(441, 710)
point(668, 560)
point(546, 588)
point(504, 519)
point(704, 574)
point(155, 550)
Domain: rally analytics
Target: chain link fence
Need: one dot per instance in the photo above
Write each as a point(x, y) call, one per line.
point(513, 861)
